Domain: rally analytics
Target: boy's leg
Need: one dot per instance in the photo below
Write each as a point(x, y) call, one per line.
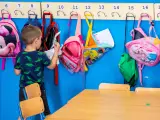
point(21, 97)
point(44, 97)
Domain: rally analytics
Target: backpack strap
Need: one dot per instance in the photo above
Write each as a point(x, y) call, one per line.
point(140, 67)
point(44, 21)
point(142, 16)
point(78, 26)
point(3, 63)
point(90, 26)
point(35, 17)
point(9, 15)
point(128, 15)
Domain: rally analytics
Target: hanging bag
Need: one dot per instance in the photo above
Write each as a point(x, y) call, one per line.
point(48, 38)
point(72, 50)
point(127, 65)
point(33, 21)
point(142, 47)
point(92, 51)
point(9, 39)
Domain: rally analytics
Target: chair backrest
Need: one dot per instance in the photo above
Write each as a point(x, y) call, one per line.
point(33, 90)
point(32, 107)
point(117, 87)
point(146, 90)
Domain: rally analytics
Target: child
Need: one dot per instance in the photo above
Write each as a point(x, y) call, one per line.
point(30, 63)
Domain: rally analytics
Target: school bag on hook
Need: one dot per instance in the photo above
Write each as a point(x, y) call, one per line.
point(127, 65)
point(72, 50)
point(143, 48)
point(33, 21)
point(9, 40)
point(48, 38)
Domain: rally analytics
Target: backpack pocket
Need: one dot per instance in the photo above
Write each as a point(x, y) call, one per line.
point(70, 64)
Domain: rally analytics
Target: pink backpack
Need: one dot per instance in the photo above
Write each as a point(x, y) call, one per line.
point(72, 50)
point(9, 39)
point(142, 47)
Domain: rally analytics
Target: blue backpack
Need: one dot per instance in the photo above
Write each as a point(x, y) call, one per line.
point(33, 21)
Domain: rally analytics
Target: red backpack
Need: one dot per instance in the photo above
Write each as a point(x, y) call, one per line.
point(48, 38)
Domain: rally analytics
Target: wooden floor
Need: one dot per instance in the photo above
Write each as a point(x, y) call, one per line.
point(110, 105)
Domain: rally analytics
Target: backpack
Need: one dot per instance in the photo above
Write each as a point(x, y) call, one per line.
point(48, 38)
point(72, 50)
point(9, 40)
point(127, 65)
point(142, 47)
point(33, 21)
point(52, 30)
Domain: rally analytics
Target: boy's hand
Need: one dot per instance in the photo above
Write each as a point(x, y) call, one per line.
point(56, 47)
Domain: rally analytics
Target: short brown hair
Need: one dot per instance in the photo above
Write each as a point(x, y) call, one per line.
point(30, 33)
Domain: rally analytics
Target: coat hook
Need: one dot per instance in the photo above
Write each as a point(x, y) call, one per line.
point(102, 13)
point(145, 14)
point(158, 15)
point(30, 11)
point(15, 12)
point(115, 13)
point(71, 13)
point(88, 12)
point(130, 14)
point(46, 11)
point(58, 13)
point(3, 10)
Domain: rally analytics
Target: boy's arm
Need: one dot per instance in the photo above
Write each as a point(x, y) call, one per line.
point(53, 61)
point(55, 56)
point(17, 66)
point(17, 72)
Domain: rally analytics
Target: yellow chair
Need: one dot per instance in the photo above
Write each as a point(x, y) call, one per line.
point(146, 90)
point(31, 107)
point(117, 87)
point(33, 90)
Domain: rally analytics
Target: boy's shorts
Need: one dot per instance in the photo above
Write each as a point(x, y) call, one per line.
point(43, 96)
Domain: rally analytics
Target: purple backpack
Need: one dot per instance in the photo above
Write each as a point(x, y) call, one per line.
point(143, 48)
point(9, 40)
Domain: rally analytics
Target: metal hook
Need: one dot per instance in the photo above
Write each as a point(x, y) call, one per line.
point(15, 12)
point(72, 12)
point(5, 11)
point(116, 13)
point(145, 14)
point(58, 14)
point(46, 11)
point(158, 14)
point(88, 12)
point(131, 15)
point(101, 12)
point(31, 11)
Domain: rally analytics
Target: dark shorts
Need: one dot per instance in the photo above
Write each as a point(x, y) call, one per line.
point(43, 96)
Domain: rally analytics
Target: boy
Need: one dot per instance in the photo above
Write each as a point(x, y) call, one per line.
point(30, 63)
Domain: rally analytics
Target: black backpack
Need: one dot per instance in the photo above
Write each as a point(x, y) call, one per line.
point(48, 38)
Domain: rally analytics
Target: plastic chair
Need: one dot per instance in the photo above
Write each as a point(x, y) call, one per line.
point(31, 107)
point(33, 90)
point(117, 87)
point(146, 90)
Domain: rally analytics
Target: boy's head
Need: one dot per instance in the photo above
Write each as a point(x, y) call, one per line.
point(31, 35)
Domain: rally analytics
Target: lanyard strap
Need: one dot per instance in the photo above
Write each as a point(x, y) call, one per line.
point(128, 15)
point(90, 25)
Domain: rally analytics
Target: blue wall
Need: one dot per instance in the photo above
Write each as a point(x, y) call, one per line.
point(105, 70)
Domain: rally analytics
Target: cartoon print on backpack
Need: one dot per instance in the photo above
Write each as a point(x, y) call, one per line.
point(10, 44)
point(7, 40)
